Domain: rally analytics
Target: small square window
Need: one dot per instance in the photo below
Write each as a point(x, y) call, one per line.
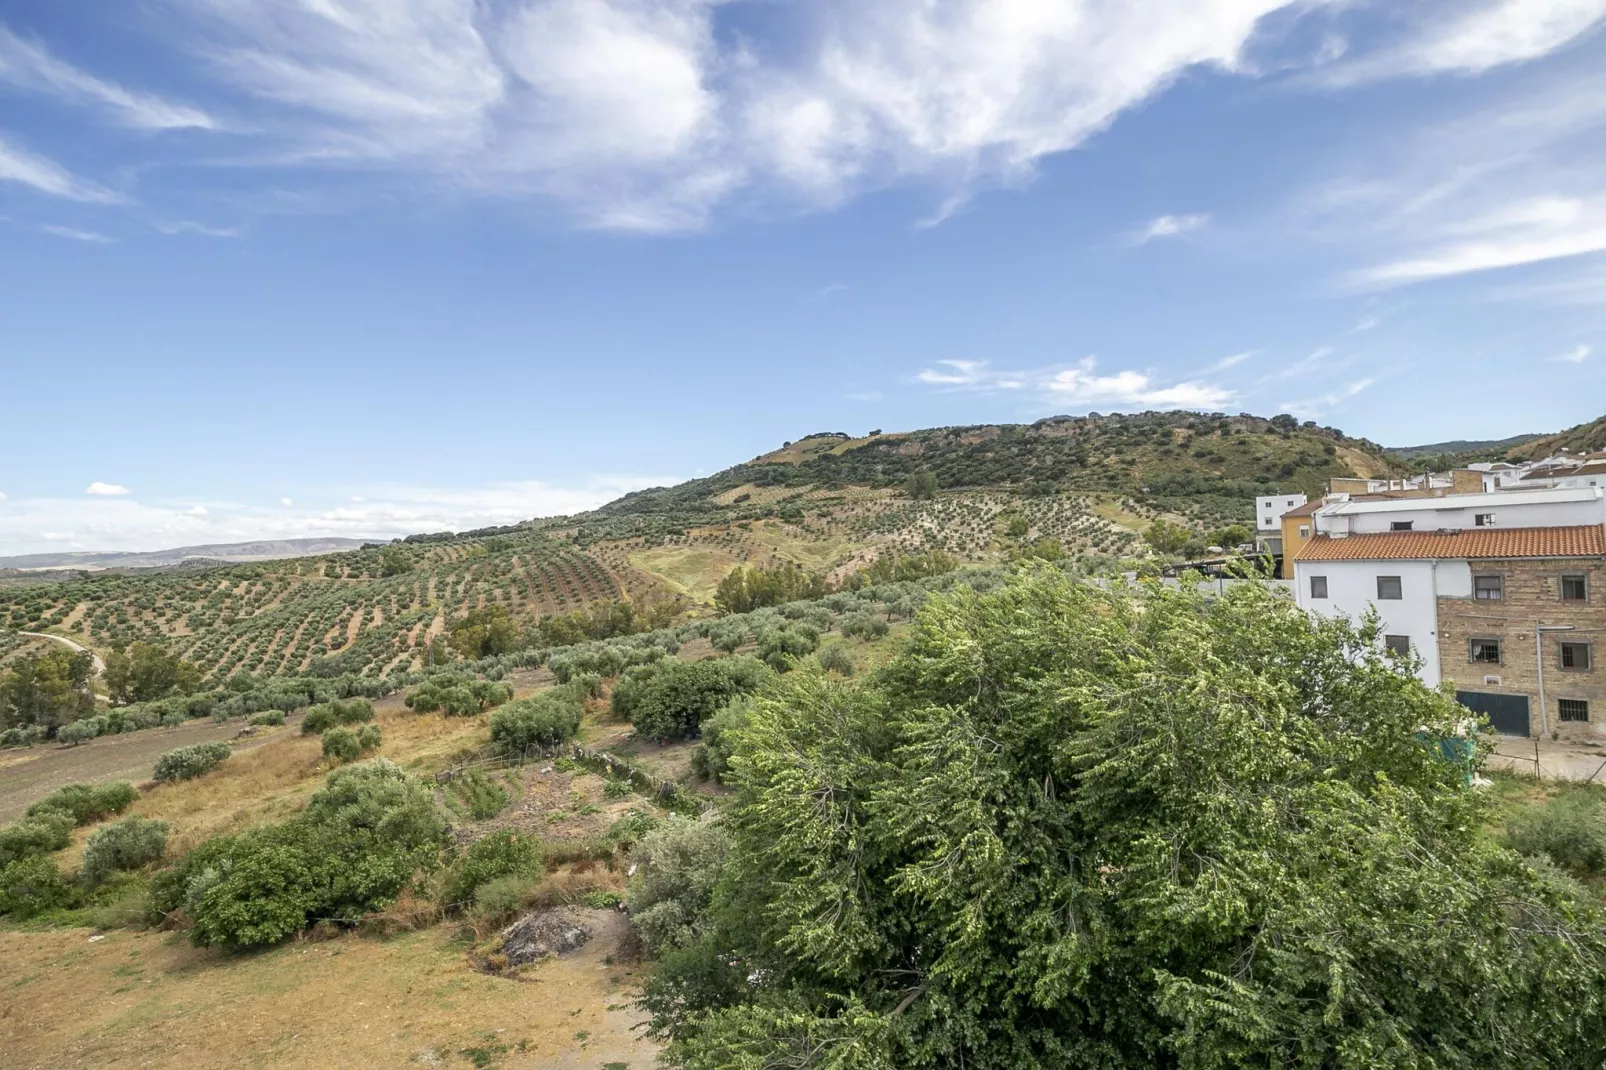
point(1575, 656)
point(1575, 588)
point(1484, 651)
point(1318, 586)
point(1488, 588)
point(1483, 520)
point(1573, 709)
point(1304, 531)
point(1388, 588)
point(1401, 525)
point(1397, 644)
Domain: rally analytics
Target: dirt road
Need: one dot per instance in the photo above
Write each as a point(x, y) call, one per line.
point(100, 665)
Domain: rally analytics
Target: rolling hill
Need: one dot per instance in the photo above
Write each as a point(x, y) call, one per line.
point(830, 503)
point(1590, 436)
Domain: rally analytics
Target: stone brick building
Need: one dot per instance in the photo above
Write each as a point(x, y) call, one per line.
point(1513, 617)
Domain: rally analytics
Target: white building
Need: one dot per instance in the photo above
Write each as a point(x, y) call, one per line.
point(1269, 510)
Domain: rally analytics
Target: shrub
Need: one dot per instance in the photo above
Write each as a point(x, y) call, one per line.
point(33, 885)
point(712, 758)
point(780, 647)
point(36, 835)
point(358, 843)
point(368, 737)
point(542, 720)
point(187, 763)
point(457, 695)
point(267, 718)
point(631, 827)
point(677, 866)
point(328, 715)
point(502, 896)
point(1569, 830)
point(88, 803)
point(341, 745)
point(727, 637)
point(504, 853)
point(22, 735)
point(129, 844)
point(673, 704)
point(864, 626)
point(485, 798)
point(836, 658)
point(80, 731)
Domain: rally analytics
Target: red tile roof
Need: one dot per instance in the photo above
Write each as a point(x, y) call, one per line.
point(1587, 541)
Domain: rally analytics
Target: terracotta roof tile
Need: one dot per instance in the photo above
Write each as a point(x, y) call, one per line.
point(1587, 541)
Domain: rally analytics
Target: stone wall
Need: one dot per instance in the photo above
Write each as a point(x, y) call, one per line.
point(1532, 594)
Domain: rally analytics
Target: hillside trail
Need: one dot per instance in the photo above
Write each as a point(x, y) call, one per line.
point(77, 648)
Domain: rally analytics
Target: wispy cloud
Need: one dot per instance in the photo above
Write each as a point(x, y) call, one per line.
point(1168, 226)
point(200, 229)
point(106, 489)
point(1576, 355)
point(76, 234)
point(1078, 385)
point(1319, 406)
point(1229, 362)
point(824, 294)
point(29, 65)
point(382, 511)
point(20, 166)
point(1526, 231)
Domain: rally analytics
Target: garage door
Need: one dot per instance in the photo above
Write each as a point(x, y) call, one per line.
point(1507, 713)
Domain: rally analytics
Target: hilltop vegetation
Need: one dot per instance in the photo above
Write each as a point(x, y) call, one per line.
point(1579, 439)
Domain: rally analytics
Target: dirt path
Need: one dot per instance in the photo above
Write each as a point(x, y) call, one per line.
point(99, 664)
point(28, 775)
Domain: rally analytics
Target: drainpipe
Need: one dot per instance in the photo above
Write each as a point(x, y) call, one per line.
point(1539, 661)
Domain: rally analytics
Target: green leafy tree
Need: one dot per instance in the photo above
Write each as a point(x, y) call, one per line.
point(48, 690)
point(921, 486)
point(484, 633)
point(673, 703)
point(745, 589)
point(145, 672)
point(393, 561)
point(1069, 827)
point(1166, 537)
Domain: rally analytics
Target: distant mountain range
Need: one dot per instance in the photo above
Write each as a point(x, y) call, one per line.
point(1433, 449)
point(227, 553)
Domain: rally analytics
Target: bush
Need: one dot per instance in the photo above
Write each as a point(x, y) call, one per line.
point(88, 803)
point(674, 704)
point(485, 798)
point(341, 745)
point(81, 731)
point(727, 637)
point(129, 844)
point(504, 853)
point(187, 763)
point(368, 737)
point(457, 695)
point(267, 718)
point(712, 758)
point(358, 843)
point(631, 827)
point(1569, 830)
point(677, 866)
point(37, 835)
point(328, 715)
point(864, 626)
point(542, 720)
point(501, 896)
point(22, 736)
point(32, 886)
point(836, 658)
point(780, 647)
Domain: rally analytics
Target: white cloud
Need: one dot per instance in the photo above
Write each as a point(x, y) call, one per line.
point(45, 176)
point(2, 495)
point(187, 227)
point(1168, 226)
point(1364, 324)
point(1526, 231)
point(105, 489)
point(286, 502)
point(75, 234)
point(1318, 406)
point(1576, 355)
point(1470, 38)
point(390, 511)
point(1229, 362)
point(1078, 385)
point(30, 65)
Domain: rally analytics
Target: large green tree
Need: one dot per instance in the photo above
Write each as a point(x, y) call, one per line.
point(1070, 827)
point(49, 689)
point(145, 672)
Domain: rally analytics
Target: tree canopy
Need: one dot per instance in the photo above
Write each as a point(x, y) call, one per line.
point(1070, 827)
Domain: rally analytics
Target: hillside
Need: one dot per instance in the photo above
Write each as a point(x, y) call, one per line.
point(1590, 436)
point(1494, 447)
point(829, 503)
point(230, 552)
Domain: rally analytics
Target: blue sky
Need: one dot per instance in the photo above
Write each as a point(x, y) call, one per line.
point(367, 267)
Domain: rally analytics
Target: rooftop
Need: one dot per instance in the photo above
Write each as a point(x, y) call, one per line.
point(1585, 541)
point(1465, 501)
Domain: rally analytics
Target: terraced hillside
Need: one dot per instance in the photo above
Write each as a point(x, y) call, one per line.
point(366, 610)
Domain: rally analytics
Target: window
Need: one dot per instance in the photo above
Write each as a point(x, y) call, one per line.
point(1388, 588)
point(1484, 651)
point(1397, 644)
point(1483, 520)
point(1575, 588)
point(1488, 588)
point(1575, 656)
point(1573, 709)
point(1401, 525)
point(1304, 531)
point(1290, 504)
point(1318, 586)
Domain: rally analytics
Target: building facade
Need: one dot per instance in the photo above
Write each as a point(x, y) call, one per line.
point(1269, 510)
point(1504, 601)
